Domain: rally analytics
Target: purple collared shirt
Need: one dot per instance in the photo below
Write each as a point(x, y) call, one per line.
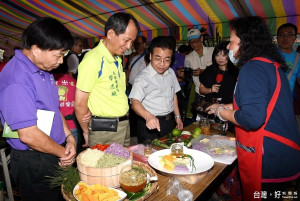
point(24, 88)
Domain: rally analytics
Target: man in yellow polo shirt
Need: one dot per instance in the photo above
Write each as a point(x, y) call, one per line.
point(101, 84)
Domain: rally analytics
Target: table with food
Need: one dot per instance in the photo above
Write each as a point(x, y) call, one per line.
point(183, 164)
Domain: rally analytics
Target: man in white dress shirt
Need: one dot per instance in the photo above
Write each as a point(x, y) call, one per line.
point(153, 95)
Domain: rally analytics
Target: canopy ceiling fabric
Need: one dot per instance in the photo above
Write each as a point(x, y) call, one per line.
point(156, 17)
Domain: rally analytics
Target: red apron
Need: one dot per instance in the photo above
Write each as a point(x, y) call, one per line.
point(250, 146)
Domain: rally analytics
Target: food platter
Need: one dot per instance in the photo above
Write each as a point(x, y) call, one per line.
point(202, 161)
point(121, 194)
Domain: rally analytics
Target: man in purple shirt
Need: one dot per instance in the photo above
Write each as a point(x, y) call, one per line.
point(27, 87)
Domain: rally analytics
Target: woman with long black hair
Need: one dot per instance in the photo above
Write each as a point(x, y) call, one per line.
point(268, 142)
point(218, 80)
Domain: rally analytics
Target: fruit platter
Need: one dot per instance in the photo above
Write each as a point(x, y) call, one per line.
point(187, 162)
point(177, 136)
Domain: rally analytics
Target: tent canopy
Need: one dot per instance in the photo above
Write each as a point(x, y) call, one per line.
point(86, 19)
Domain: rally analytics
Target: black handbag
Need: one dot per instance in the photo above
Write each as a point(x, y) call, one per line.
point(104, 124)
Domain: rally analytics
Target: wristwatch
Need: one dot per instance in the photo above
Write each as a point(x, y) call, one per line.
point(177, 116)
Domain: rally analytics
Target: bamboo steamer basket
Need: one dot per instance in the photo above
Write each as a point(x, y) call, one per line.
point(109, 177)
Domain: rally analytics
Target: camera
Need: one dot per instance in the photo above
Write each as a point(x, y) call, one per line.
point(188, 72)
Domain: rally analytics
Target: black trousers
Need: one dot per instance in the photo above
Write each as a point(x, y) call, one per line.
point(29, 170)
point(143, 133)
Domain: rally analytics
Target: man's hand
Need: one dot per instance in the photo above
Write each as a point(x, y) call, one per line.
point(70, 152)
point(152, 122)
point(180, 73)
point(179, 123)
point(197, 72)
point(83, 113)
point(86, 139)
point(87, 117)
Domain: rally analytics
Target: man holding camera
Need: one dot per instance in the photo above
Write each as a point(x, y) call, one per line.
point(199, 58)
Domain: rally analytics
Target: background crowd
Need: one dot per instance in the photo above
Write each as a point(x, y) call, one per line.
point(105, 98)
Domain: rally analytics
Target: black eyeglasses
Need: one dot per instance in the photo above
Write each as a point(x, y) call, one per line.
point(161, 60)
point(287, 35)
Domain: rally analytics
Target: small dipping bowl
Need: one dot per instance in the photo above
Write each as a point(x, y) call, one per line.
point(133, 178)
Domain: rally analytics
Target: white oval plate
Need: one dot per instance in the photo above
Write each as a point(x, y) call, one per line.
point(121, 193)
point(202, 161)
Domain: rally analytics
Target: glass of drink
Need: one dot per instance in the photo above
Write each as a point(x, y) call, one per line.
point(147, 147)
point(205, 126)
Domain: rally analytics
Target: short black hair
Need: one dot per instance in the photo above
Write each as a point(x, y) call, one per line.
point(164, 42)
point(287, 25)
point(183, 49)
point(48, 34)
point(119, 22)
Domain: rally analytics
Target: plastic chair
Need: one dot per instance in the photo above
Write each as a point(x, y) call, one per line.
point(5, 159)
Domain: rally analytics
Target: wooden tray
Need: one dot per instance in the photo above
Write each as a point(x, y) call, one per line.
point(150, 171)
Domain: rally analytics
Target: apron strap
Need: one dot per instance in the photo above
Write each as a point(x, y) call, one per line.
point(283, 140)
point(277, 88)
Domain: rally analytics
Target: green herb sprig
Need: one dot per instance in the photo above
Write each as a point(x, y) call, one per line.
point(67, 176)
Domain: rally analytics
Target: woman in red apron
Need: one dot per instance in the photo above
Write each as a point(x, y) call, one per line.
point(266, 131)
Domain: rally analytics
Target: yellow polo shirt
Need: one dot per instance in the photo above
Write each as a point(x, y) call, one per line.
point(101, 75)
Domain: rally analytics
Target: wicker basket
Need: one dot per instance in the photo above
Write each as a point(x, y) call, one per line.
point(109, 177)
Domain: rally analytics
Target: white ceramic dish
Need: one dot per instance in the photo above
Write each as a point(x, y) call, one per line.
point(121, 193)
point(202, 161)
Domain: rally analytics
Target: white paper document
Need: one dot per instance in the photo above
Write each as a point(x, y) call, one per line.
point(45, 120)
point(44, 123)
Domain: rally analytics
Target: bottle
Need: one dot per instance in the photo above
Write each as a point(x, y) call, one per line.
point(205, 126)
point(176, 149)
